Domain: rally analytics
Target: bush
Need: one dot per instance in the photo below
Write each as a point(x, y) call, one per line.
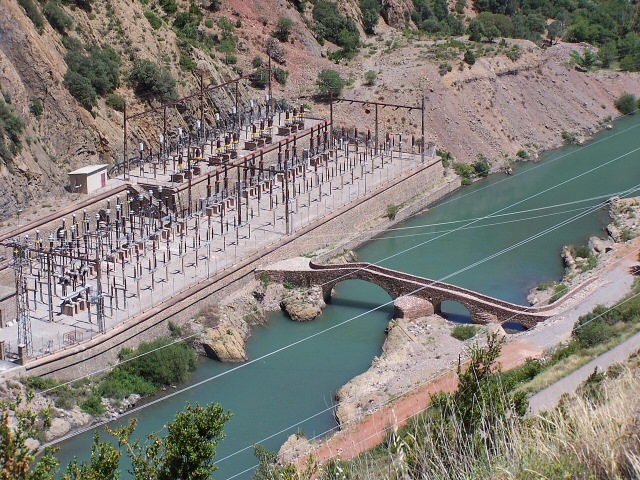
point(57, 17)
point(391, 211)
point(121, 383)
point(627, 103)
point(558, 292)
point(259, 79)
point(147, 78)
point(93, 405)
point(523, 154)
point(464, 332)
point(169, 6)
point(590, 331)
point(116, 102)
point(161, 363)
point(257, 62)
point(36, 108)
point(370, 77)
point(283, 29)
point(469, 57)
point(280, 75)
point(370, 14)
point(482, 167)
point(335, 27)
point(32, 11)
point(81, 89)
point(92, 73)
point(154, 20)
point(11, 128)
point(330, 84)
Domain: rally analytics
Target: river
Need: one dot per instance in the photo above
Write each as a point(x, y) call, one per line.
point(291, 390)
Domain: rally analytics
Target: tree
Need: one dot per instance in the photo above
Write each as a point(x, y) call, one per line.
point(186, 453)
point(330, 84)
point(475, 30)
point(491, 32)
point(370, 14)
point(607, 54)
point(147, 78)
point(469, 57)
point(554, 30)
point(283, 29)
point(80, 88)
point(17, 458)
point(627, 103)
point(587, 60)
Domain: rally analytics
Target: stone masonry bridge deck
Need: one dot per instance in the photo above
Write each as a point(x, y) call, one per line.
point(483, 308)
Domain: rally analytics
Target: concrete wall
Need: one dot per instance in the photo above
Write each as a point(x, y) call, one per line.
point(417, 188)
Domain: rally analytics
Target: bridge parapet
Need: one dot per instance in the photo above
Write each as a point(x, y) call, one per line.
point(483, 308)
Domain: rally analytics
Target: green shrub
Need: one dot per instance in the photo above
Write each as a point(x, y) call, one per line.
point(335, 27)
point(280, 75)
point(259, 79)
point(36, 108)
point(482, 167)
point(257, 62)
point(90, 73)
point(57, 17)
point(590, 331)
point(93, 405)
point(370, 77)
point(558, 291)
point(283, 29)
point(169, 6)
point(464, 332)
point(11, 128)
point(208, 23)
point(391, 211)
point(121, 383)
point(161, 362)
point(627, 103)
point(40, 383)
point(147, 78)
point(80, 88)
point(33, 12)
point(154, 20)
point(370, 15)
point(523, 154)
point(469, 57)
point(465, 170)
point(330, 84)
point(116, 102)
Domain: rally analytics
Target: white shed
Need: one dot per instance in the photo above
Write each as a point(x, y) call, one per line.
point(88, 179)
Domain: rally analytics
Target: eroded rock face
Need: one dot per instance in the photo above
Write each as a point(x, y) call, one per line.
point(393, 13)
point(224, 343)
point(303, 305)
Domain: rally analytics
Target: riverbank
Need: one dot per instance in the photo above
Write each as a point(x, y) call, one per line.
point(400, 383)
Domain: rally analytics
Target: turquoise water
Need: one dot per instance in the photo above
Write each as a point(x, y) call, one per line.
point(276, 391)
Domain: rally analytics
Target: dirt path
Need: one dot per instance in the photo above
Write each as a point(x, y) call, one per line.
point(614, 282)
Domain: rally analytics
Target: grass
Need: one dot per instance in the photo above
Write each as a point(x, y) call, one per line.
point(464, 332)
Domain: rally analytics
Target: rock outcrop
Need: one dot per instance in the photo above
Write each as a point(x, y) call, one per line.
point(303, 305)
point(225, 343)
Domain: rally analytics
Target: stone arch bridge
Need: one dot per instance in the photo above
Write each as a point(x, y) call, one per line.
point(483, 309)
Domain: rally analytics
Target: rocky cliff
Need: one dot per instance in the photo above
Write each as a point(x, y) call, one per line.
point(505, 102)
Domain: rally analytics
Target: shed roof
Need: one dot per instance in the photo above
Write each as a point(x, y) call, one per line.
point(89, 169)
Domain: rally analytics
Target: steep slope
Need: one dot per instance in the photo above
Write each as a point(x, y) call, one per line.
point(495, 107)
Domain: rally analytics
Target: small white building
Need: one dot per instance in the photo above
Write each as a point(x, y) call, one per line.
point(88, 179)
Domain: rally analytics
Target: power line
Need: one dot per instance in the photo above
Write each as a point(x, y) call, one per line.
point(276, 351)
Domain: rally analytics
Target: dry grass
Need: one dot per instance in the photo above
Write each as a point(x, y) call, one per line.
point(581, 439)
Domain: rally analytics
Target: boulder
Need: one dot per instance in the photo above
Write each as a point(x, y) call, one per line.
point(224, 343)
point(600, 246)
point(58, 428)
point(303, 305)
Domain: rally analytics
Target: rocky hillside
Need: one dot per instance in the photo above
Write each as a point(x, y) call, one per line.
point(515, 96)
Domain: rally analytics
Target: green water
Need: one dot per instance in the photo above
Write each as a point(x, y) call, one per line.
point(273, 395)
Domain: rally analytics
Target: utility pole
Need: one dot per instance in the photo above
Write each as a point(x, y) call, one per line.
point(424, 143)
